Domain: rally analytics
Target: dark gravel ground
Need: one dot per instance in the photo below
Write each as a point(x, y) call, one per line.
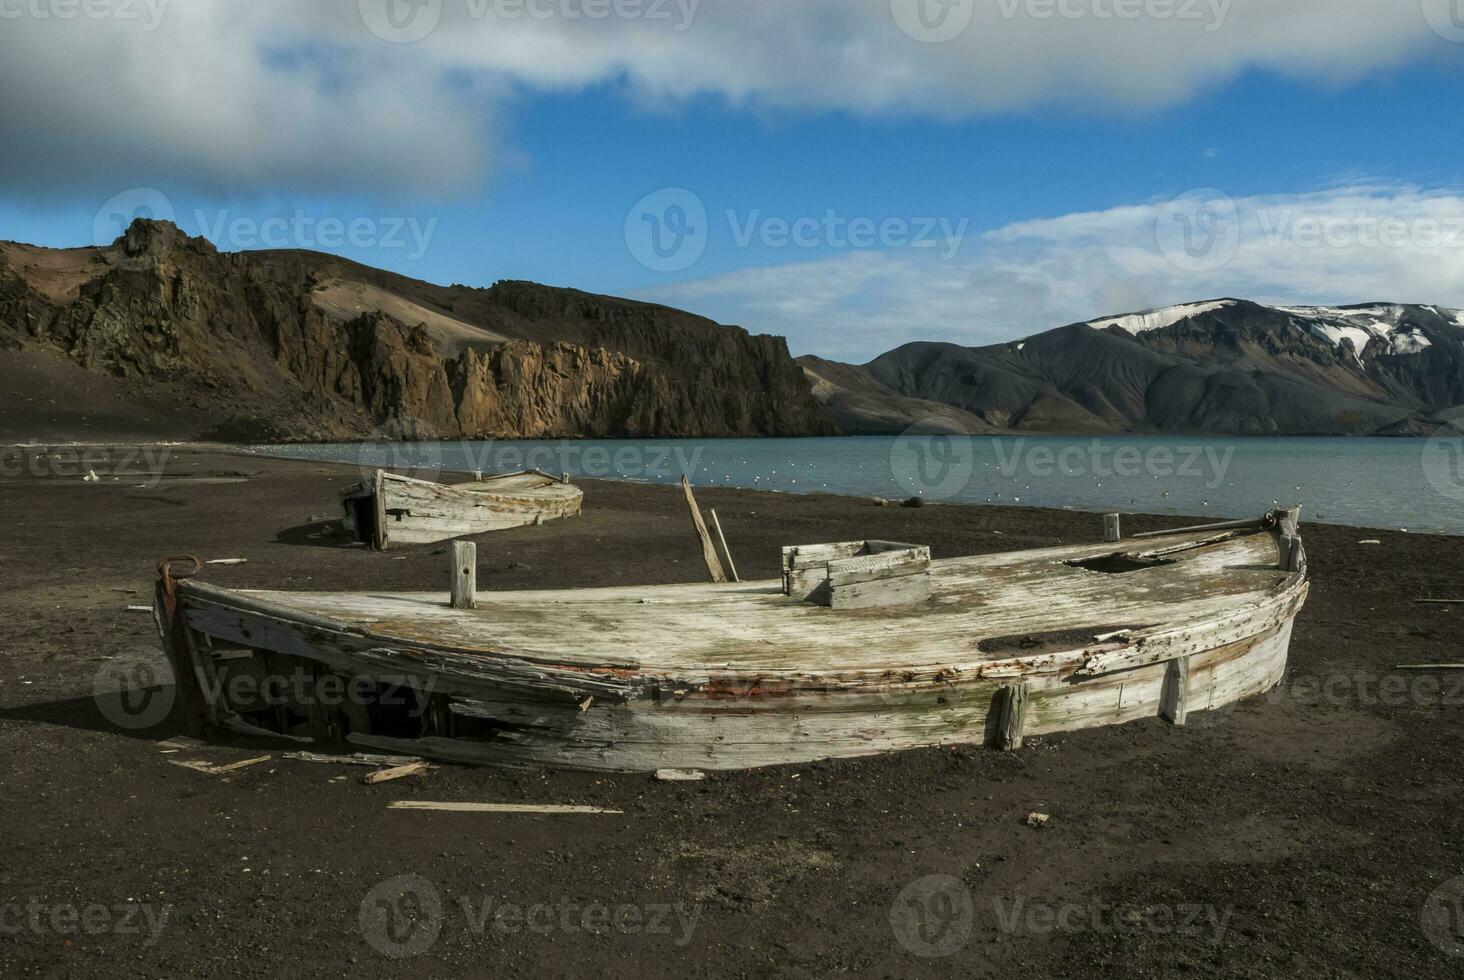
point(1298, 834)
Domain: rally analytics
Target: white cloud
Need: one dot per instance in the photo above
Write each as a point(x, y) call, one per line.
point(1333, 247)
point(301, 95)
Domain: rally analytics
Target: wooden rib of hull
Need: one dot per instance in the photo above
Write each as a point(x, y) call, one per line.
point(407, 511)
point(736, 676)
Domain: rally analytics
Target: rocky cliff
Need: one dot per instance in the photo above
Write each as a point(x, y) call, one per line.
point(303, 346)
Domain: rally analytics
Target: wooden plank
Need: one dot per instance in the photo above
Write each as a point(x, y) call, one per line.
point(709, 551)
point(1112, 528)
point(217, 769)
point(464, 592)
point(1173, 705)
point(495, 807)
point(356, 759)
point(396, 772)
point(731, 565)
point(1012, 717)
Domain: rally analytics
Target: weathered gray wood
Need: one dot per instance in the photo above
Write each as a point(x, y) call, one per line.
point(709, 551)
point(726, 551)
point(464, 593)
point(1173, 701)
point(905, 590)
point(1112, 528)
point(1292, 555)
point(410, 511)
point(546, 808)
point(1012, 717)
point(711, 677)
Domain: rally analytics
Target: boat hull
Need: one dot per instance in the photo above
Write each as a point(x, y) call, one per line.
point(501, 703)
point(389, 510)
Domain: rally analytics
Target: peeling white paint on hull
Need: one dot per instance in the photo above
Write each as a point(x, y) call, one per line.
point(735, 676)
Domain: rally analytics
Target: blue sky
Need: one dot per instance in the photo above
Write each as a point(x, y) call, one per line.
point(1033, 171)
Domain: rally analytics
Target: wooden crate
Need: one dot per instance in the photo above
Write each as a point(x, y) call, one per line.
point(857, 574)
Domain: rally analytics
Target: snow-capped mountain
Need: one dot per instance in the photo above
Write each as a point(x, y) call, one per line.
point(1225, 366)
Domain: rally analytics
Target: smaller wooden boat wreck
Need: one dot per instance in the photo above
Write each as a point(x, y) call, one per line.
point(985, 649)
point(388, 509)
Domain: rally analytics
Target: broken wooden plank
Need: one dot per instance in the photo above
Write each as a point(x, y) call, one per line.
point(356, 759)
point(1429, 667)
point(228, 561)
point(215, 768)
point(396, 772)
point(731, 565)
point(709, 551)
point(680, 775)
point(464, 575)
point(495, 807)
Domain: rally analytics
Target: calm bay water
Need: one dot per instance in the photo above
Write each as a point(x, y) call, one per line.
point(1414, 484)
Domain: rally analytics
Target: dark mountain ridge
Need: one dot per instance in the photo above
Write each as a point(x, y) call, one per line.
point(1227, 366)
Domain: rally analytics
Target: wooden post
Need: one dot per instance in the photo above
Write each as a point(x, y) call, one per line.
point(709, 551)
point(731, 565)
point(1111, 530)
point(1012, 717)
point(1172, 707)
point(1291, 553)
point(464, 575)
point(564, 478)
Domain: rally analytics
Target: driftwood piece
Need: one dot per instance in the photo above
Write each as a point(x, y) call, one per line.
point(464, 575)
point(357, 759)
point(215, 768)
point(1112, 528)
point(709, 551)
point(396, 772)
point(726, 551)
point(680, 775)
point(495, 807)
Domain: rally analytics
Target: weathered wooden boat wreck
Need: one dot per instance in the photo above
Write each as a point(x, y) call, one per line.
point(985, 649)
point(390, 509)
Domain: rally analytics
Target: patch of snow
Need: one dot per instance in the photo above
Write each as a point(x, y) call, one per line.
point(1410, 342)
point(1136, 323)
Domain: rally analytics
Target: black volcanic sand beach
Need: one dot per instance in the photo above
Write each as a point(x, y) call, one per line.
point(1301, 833)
